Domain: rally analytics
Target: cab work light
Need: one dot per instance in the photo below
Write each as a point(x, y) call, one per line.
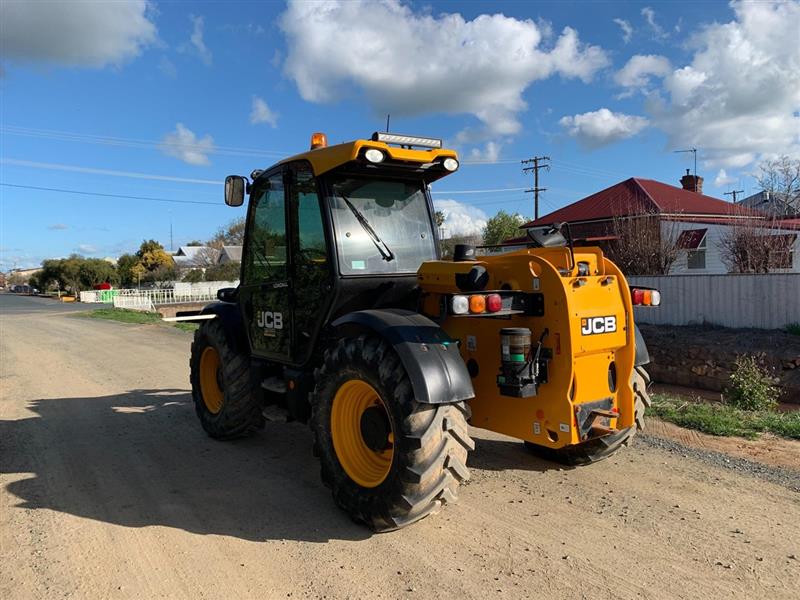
point(406, 140)
point(374, 155)
point(451, 164)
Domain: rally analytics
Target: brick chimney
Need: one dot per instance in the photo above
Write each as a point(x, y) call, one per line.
point(692, 182)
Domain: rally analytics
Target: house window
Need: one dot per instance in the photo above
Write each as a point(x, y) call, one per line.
point(780, 250)
point(694, 242)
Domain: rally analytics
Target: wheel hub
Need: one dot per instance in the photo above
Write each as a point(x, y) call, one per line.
point(375, 428)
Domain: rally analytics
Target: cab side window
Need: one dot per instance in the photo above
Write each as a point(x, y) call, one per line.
point(311, 232)
point(266, 250)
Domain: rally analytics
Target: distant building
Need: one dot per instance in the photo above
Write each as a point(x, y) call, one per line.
point(230, 254)
point(195, 257)
point(699, 221)
point(773, 203)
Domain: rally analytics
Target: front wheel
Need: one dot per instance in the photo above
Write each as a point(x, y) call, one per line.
point(388, 459)
point(225, 398)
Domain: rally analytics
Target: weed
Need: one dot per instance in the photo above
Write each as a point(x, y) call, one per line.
point(751, 387)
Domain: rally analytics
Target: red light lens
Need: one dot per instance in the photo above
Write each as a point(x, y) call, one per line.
point(494, 303)
point(638, 296)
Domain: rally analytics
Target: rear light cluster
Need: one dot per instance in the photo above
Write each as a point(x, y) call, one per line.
point(641, 297)
point(476, 304)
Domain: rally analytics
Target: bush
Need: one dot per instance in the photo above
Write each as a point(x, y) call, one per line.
point(751, 386)
point(793, 328)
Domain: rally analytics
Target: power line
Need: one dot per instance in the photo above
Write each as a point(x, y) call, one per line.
point(496, 191)
point(535, 189)
point(733, 193)
point(104, 195)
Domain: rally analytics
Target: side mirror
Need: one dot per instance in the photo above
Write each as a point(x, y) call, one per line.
point(234, 190)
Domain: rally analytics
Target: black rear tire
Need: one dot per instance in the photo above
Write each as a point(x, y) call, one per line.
point(238, 411)
point(601, 448)
point(429, 448)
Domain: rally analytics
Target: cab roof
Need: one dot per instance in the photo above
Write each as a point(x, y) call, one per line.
point(330, 157)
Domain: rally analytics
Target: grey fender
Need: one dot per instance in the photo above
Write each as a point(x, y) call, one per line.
point(642, 355)
point(431, 358)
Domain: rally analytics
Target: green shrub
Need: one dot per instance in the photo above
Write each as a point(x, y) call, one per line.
point(793, 328)
point(751, 386)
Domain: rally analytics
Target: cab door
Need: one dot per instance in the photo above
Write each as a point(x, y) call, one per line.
point(265, 291)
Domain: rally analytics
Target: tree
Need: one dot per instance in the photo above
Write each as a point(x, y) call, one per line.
point(781, 178)
point(125, 265)
point(93, 271)
point(194, 243)
point(644, 245)
point(231, 234)
point(501, 227)
point(755, 247)
point(225, 272)
point(152, 255)
point(193, 275)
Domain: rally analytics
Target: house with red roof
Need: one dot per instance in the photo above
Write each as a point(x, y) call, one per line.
point(696, 221)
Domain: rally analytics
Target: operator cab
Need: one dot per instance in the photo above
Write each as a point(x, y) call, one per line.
point(334, 230)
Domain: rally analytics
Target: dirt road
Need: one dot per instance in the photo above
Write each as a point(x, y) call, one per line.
point(110, 489)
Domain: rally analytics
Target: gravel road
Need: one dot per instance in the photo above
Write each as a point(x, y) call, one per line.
point(110, 489)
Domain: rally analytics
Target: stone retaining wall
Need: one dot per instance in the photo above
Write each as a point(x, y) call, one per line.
point(703, 357)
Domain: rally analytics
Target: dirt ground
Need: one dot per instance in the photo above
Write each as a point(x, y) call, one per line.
point(110, 489)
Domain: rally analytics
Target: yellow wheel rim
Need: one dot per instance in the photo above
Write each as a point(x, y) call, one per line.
point(209, 380)
point(367, 467)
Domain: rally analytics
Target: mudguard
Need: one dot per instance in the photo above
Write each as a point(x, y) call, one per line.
point(228, 314)
point(431, 358)
point(642, 355)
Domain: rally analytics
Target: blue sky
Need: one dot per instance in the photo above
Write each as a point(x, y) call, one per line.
point(161, 100)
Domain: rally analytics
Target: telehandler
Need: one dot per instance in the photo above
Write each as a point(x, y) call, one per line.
point(346, 318)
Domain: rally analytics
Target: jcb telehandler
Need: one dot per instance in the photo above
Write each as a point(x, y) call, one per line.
point(345, 317)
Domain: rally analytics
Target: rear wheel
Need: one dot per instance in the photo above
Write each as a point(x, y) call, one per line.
point(224, 396)
point(600, 448)
point(388, 459)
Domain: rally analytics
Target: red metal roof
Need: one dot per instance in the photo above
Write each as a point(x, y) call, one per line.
point(636, 196)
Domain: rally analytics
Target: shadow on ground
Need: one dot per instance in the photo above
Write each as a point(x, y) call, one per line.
point(141, 459)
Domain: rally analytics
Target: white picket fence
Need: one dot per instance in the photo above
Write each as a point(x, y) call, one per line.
point(764, 301)
point(147, 300)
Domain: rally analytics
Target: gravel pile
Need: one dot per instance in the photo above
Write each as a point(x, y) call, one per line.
point(788, 478)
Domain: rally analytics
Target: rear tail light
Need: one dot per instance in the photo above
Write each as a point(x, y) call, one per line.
point(459, 305)
point(477, 303)
point(494, 303)
point(645, 297)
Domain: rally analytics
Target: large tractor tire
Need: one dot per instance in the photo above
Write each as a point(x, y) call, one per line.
point(388, 459)
point(600, 448)
point(224, 396)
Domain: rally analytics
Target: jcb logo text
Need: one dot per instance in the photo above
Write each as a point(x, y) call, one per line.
point(270, 320)
point(594, 325)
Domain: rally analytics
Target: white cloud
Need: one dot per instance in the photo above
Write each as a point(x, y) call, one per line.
point(262, 113)
point(184, 145)
point(637, 71)
point(739, 97)
point(87, 248)
point(627, 29)
point(57, 227)
point(405, 62)
point(650, 16)
point(461, 219)
point(196, 44)
point(602, 127)
point(86, 34)
point(723, 179)
point(488, 154)
point(167, 67)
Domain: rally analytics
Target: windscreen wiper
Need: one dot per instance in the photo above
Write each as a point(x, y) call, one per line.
point(386, 254)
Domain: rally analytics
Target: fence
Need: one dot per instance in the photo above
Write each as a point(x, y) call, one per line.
point(147, 299)
point(764, 301)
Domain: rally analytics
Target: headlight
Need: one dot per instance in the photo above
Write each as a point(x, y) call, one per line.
point(451, 164)
point(374, 155)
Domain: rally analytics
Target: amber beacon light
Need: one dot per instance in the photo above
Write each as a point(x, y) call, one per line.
point(319, 140)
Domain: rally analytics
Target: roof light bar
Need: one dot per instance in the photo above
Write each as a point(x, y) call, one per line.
point(406, 140)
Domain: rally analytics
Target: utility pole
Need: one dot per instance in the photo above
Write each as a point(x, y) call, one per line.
point(536, 160)
point(693, 150)
point(733, 193)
